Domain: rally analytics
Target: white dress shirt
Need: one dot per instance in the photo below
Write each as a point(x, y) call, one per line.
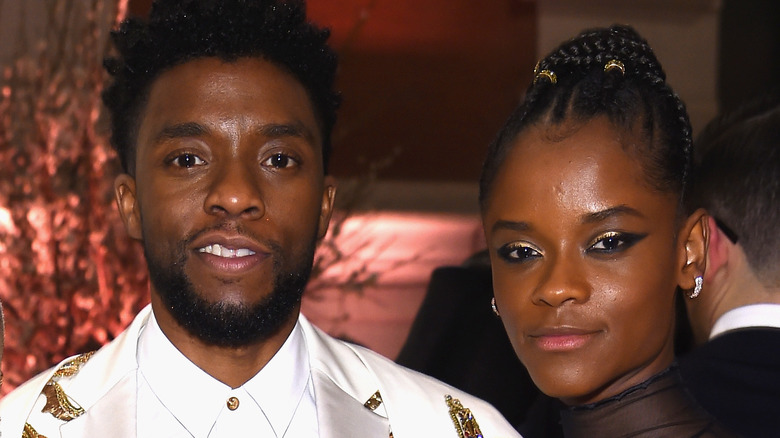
point(754, 315)
point(178, 399)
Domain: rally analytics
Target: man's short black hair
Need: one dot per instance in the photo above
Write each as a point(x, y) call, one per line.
point(181, 30)
point(737, 179)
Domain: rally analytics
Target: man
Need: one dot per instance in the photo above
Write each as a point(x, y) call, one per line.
point(736, 373)
point(221, 114)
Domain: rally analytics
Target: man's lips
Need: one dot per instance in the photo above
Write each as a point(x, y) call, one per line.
point(227, 244)
point(561, 339)
point(226, 252)
point(229, 254)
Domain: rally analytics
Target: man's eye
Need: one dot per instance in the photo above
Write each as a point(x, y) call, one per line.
point(280, 161)
point(188, 160)
point(614, 242)
point(518, 252)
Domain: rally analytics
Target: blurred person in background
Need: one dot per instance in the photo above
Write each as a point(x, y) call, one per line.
point(735, 373)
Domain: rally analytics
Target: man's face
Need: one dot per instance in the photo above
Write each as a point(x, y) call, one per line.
point(229, 197)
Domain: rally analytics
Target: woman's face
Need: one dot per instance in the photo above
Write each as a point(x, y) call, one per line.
point(584, 259)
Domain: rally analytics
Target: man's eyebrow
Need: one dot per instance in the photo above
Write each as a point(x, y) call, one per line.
point(271, 130)
point(510, 225)
point(278, 130)
point(181, 130)
point(602, 215)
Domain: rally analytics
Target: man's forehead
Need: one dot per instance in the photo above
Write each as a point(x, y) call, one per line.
point(232, 89)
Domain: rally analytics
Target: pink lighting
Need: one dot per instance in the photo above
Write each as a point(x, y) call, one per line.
point(390, 259)
point(70, 278)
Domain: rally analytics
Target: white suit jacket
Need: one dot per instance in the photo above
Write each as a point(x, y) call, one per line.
point(345, 376)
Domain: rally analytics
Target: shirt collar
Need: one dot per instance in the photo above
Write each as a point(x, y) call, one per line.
point(288, 373)
point(754, 315)
point(196, 399)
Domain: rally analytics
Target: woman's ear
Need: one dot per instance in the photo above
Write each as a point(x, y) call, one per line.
point(126, 201)
point(692, 252)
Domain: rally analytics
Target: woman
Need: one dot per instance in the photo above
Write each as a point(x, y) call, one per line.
point(581, 198)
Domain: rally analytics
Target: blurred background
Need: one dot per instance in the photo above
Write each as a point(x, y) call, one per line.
point(426, 85)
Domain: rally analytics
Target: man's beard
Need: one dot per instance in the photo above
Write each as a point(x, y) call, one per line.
point(227, 324)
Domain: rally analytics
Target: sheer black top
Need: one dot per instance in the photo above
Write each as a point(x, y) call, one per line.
point(658, 407)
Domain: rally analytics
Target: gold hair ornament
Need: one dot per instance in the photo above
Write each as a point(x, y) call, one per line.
point(549, 74)
point(613, 64)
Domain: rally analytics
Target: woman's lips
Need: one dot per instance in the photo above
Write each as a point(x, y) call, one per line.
point(562, 340)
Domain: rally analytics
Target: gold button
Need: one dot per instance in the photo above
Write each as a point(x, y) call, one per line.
point(232, 403)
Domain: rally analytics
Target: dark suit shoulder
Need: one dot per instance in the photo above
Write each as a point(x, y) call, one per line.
point(736, 377)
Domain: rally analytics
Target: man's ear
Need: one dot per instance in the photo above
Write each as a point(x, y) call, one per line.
point(717, 250)
point(326, 209)
point(692, 251)
point(126, 201)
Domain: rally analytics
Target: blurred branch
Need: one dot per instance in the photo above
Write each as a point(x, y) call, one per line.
point(69, 277)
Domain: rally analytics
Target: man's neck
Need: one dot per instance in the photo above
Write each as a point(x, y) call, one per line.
point(744, 288)
point(736, 285)
point(231, 366)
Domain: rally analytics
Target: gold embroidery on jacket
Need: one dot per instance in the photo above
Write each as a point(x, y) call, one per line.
point(57, 402)
point(374, 401)
point(464, 421)
point(30, 432)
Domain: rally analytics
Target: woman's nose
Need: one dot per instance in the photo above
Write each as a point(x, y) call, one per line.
point(564, 281)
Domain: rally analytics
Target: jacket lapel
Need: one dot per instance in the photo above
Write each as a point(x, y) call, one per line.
point(342, 384)
point(342, 416)
point(113, 415)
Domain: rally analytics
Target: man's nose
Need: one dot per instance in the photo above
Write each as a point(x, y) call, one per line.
point(235, 191)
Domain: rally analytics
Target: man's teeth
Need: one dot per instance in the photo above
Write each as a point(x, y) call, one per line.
point(221, 251)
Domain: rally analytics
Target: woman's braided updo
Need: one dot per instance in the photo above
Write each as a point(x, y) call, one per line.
point(572, 84)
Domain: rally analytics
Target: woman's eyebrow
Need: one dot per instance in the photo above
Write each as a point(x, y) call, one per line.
point(510, 225)
point(601, 215)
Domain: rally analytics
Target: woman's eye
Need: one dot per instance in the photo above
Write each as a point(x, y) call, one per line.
point(188, 160)
point(515, 252)
point(615, 241)
point(280, 161)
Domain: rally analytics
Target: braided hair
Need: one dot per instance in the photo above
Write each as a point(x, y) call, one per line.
point(572, 84)
point(182, 30)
